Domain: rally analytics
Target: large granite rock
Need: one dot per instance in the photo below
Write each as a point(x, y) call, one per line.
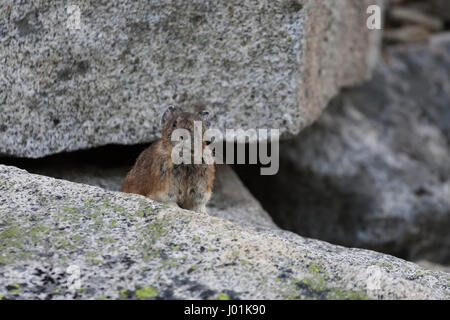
point(272, 64)
point(374, 171)
point(230, 200)
point(60, 239)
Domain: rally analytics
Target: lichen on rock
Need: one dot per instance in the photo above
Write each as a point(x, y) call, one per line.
point(59, 241)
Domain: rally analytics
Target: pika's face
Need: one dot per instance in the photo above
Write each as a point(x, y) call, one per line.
point(178, 119)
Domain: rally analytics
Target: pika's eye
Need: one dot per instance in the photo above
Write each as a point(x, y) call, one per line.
point(175, 123)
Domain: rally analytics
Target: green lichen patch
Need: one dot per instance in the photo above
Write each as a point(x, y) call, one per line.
point(145, 212)
point(193, 268)
point(152, 254)
point(124, 293)
point(384, 265)
point(71, 210)
point(313, 267)
point(90, 254)
point(169, 263)
point(223, 296)
point(147, 293)
point(140, 213)
point(319, 286)
point(17, 242)
point(107, 240)
point(149, 234)
point(118, 208)
point(339, 294)
point(155, 230)
point(13, 288)
point(9, 233)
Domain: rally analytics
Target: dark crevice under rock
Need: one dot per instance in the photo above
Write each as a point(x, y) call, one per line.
point(107, 166)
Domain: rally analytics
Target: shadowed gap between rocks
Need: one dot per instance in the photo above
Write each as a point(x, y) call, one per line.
point(107, 166)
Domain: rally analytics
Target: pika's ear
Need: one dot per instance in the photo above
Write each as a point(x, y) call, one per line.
point(169, 111)
point(205, 116)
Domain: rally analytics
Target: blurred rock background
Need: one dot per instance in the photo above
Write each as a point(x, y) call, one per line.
point(374, 171)
point(409, 21)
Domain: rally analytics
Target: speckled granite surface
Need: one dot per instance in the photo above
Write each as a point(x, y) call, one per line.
point(252, 64)
point(63, 240)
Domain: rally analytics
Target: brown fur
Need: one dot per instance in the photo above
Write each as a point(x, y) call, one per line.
point(155, 176)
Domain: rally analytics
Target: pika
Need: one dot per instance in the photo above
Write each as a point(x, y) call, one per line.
point(157, 177)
